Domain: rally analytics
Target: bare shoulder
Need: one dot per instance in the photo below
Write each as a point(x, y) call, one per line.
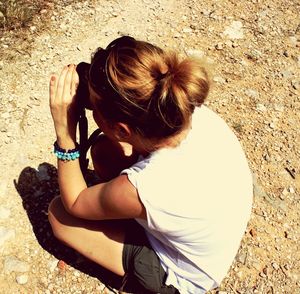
point(121, 198)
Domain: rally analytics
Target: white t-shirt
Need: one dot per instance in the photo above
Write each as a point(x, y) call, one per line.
point(198, 198)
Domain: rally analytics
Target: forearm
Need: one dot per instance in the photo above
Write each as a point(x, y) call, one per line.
point(70, 178)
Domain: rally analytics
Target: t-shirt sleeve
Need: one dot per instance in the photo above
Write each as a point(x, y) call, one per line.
point(134, 171)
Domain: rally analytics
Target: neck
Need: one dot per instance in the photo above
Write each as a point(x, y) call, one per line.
point(146, 146)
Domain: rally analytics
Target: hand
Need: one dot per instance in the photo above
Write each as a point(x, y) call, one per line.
point(63, 105)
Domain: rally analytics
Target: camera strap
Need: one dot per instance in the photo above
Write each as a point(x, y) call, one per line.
point(84, 142)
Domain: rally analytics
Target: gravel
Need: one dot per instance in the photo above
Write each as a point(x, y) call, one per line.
point(253, 49)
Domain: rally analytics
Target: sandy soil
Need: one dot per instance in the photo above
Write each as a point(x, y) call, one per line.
point(253, 47)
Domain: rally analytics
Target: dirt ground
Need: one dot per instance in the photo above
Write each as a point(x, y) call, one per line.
point(253, 47)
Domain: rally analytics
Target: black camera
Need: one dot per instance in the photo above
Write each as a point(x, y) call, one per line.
point(82, 93)
point(84, 102)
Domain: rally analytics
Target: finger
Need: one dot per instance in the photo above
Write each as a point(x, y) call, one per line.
point(60, 84)
point(52, 88)
point(67, 83)
point(75, 82)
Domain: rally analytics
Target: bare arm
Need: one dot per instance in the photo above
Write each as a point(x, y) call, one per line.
point(114, 199)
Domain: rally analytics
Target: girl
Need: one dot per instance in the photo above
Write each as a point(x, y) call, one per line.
point(176, 193)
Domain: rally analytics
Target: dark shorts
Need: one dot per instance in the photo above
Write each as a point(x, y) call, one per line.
point(142, 265)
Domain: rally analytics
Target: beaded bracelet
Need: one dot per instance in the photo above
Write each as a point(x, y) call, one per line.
point(66, 155)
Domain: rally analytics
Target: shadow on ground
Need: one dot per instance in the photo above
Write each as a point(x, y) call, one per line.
point(37, 187)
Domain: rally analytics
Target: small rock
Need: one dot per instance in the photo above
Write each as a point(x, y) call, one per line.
point(4, 213)
point(278, 107)
point(43, 58)
point(295, 84)
point(12, 264)
point(275, 265)
point(52, 264)
point(241, 257)
point(272, 125)
point(6, 234)
point(61, 265)
point(33, 28)
point(291, 190)
point(261, 274)
point(219, 46)
point(256, 265)
point(195, 53)
point(187, 30)
point(253, 232)
point(219, 80)
point(252, 93)
point(22, 279)
point(254, 54)
point(293, 40)
point(234, 31)
point(260, 107)
point(285, 192)
point(286, 53)
point(286, 74)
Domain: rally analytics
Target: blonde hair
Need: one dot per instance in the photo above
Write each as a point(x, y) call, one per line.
point(156, 92)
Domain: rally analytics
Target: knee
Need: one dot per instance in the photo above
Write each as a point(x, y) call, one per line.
point(55, 216)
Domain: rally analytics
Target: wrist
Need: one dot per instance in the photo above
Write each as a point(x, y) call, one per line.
point(66, 142)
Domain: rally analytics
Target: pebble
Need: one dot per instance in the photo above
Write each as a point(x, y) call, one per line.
point(187, 30)
point(31, 63)
point(52, 264)
point(219, 46)
point(234, 30)
point(13, 264)
point(279, 108)
point(286, 74)
point(22, 279)
point(272, 125)
point(241, 257)
point(252, 93)
point(260, 107)
point(219, 80)
point(254, 54)
point(195, 53)
point(4, 213)
point(295, 84)
point(6, 234)
point(275, 265)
